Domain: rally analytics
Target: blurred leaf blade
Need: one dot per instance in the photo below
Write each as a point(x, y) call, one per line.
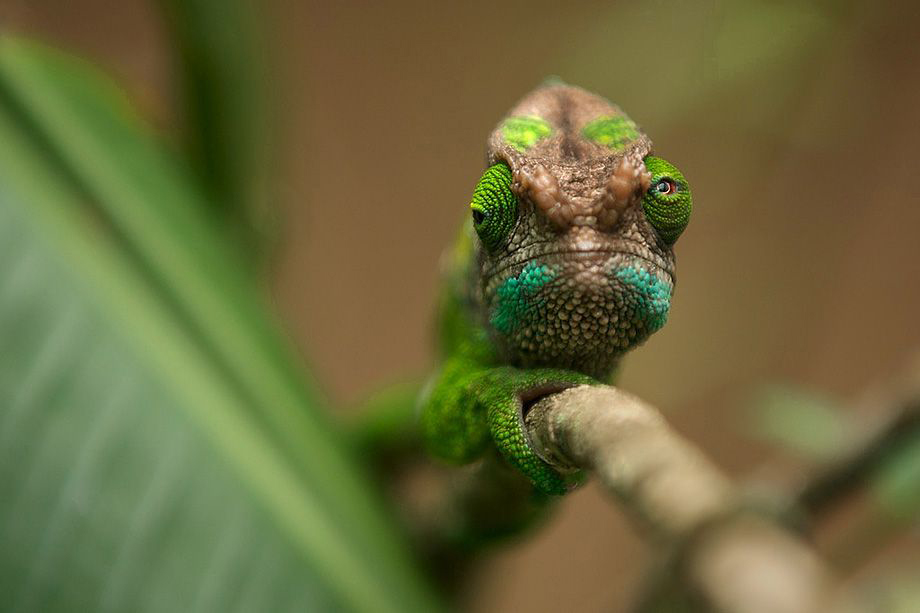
point(897, 485)
point(802, 421)
point(221, 68)
point(320, 528)
point(163, 227)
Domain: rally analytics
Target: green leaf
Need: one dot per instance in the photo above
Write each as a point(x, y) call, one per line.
point(897, 484)
point(159, 447)
point(804, 422)
point(224, 100)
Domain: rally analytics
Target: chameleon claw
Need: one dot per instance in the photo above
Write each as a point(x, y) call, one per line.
point(510, 390)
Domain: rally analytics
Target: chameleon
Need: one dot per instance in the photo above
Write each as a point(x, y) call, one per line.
point(565, 263)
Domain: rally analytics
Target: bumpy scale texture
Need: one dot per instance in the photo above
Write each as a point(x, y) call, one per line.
point(668, 213)
point(650, 299)
point(518, 298)
point(576, 275)
point(494, 206)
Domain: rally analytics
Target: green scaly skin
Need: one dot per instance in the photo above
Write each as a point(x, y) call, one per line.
point(566, 264)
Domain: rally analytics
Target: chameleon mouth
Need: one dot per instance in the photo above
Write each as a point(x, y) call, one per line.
point(655, 261)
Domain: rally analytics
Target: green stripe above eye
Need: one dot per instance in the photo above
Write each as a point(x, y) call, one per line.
point(614, 132)
point(522, 133)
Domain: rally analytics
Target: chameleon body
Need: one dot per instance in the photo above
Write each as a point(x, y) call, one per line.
point(565, 264)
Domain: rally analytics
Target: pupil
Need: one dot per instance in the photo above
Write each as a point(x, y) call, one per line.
point(665, 186)
point(478, 216)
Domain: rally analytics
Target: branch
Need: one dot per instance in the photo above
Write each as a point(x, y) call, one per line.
point(855, 467)
point(658, 475)
point(725, 559)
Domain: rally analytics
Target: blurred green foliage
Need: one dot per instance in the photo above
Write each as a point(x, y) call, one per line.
point(225, 99)
point(708, 50)
point(897, 594)
point(160, 449)
point(896, 487)
point(815, 428)
point(804, 422)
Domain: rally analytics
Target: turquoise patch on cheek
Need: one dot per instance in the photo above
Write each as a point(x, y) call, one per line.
point(652, 296)
point(517, 297)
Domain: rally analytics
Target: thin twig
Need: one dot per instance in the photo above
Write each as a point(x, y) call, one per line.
point(853, 469)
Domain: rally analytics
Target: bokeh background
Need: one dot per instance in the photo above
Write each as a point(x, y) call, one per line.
point(797, 124)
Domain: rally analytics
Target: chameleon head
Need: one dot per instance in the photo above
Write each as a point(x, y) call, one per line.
point(576, 223)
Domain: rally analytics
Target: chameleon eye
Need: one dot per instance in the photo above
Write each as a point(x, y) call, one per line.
point(494, 206)
point(668, 202)
point(666, 186)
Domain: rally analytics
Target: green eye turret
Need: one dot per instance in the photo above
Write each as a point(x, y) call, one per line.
point(494, 206)
point(668, 201)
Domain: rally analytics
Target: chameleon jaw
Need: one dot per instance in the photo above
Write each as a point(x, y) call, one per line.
point(580, 313)
point(624, 248)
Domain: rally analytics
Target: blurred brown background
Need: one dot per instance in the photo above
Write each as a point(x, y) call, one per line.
point(797, 124)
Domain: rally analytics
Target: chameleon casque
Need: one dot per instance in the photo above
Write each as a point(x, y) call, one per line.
point(565, 264)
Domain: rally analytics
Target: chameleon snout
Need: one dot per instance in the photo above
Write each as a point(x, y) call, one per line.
point(602, 209)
